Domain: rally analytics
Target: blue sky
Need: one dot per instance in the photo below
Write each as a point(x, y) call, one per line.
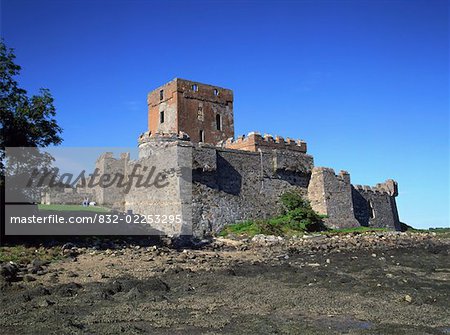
point(364, 82)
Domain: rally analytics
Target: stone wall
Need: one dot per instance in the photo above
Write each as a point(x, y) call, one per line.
point(169, 193)
point(234, 185)
point(210, 186)
point(110, 167)
point(331, 195)
point(227, 185)
point(67, 196)
point(376, 206)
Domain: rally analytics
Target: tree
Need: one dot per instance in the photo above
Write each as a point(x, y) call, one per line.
point(24, 121)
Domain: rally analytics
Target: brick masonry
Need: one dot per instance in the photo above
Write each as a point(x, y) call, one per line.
point(192, 107)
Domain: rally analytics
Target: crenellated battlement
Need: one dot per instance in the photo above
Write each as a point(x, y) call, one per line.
point(389, 187)
point(162, 136)
point(254, 141)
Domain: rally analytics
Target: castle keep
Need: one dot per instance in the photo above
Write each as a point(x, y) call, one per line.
point(214, 178)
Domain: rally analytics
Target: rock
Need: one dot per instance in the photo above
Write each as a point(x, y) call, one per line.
point(35, 269)
point(408, 298)
point(68, 246)
point(71, 274)
point(28, 278)
point(69, 289)
point(133, 294)
point(45, 303)
point(53, 278)
point(8, 271)
point(313, 264)
point(266, 239)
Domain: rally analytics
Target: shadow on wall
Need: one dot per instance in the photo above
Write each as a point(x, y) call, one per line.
point(225, 178)
point(294, 178)
point(361, 208)
point(207, 178)
point(229, 180)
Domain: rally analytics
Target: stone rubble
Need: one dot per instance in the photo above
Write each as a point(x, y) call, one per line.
point(219, 252)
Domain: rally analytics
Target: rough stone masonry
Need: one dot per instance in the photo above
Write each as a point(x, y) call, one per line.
point(216, 179)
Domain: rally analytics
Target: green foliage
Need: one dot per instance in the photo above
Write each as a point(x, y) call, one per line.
point(24, 121)
point(25, 254)
point(297, 217)
point(250, 228)
point(292, 200)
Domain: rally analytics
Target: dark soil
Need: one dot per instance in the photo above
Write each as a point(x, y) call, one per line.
point(287, 291)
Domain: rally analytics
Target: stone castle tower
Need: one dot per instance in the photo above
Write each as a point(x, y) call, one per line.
point(214, 179)
point(205, 112)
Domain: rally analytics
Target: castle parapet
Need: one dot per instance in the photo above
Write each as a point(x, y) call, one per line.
point(389, 187)
point(162, 136)
point(254, 141)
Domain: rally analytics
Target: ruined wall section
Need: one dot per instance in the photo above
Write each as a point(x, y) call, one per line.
point(67, 196)
point(235, 185)
point(376, 206)
point(331, 195)
point(254, 142)
point(111, 168)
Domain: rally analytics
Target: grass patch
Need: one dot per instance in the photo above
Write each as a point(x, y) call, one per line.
point(298, 217)
point(249, 228)
point(24, 254)
point(72, 208)
point(441, 232)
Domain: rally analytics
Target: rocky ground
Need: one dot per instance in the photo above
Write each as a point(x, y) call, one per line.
point(370, 283)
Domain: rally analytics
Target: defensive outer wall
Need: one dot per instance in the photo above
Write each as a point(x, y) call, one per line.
point(213, 179)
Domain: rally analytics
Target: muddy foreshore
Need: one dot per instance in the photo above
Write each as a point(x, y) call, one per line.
point(371, 283)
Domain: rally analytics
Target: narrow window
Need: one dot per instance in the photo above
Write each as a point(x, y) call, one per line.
point(201, 136)
point(195, 87)
point(371, 210)
point(218, 122)
point(216, 92)
point(161, 94)
point(200, 114)
point(161, 117)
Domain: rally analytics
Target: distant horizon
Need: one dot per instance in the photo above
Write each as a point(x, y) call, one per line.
point(365, 84)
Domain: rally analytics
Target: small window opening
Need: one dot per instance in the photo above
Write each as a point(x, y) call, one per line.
point(195, 87)
point(161, 117)
point(218, 122)
point(216, 92)
point(371, 210)
point(201, 136)
point(161, 94)
point(200, 114)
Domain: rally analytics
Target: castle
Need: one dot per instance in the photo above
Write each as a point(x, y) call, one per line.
point(212, 179)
